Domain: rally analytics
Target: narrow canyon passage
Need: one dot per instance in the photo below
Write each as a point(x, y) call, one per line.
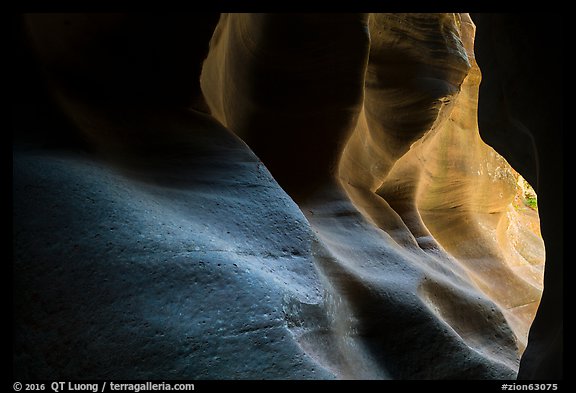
point(414, 227)
point(317, 205)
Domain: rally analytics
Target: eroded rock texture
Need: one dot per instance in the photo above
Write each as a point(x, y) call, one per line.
point(524, 102)
point(329, 210)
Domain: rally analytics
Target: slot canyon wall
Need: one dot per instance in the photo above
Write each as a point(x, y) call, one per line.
point(519, 73)
point(295, 196)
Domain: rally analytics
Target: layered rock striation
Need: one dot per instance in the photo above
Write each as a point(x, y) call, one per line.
point(327, 209)
point(413, 212)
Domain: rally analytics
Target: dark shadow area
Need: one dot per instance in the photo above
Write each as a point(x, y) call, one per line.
point(521, 116)
point(154, 60)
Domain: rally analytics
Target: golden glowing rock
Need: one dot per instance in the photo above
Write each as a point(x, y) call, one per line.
point(449, 187)
point(356, 226)
point(419, 239)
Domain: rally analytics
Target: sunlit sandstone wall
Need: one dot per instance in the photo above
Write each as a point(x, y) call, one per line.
point(419, 213)
point(450, 187)
point(169, 249)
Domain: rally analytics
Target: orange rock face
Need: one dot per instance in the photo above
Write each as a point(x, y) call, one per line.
point(416, 212)
point(327, 209)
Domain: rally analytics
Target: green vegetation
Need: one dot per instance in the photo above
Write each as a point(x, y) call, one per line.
point(531, 202)
point(525, 194)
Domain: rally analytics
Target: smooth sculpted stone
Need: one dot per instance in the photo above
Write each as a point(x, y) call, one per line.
point(181, 265)
point(514, 57)
point(418, 236)
point(327, 211)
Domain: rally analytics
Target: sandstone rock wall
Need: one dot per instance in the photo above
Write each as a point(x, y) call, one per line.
point(326, 209)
